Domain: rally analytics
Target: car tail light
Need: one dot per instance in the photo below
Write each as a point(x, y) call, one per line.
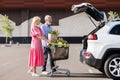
point(87, 55)
point(92, 37)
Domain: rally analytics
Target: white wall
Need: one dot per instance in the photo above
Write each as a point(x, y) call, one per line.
point(22, 30)
point(75, 25)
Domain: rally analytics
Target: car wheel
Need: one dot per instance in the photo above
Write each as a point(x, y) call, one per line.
point(112, 67)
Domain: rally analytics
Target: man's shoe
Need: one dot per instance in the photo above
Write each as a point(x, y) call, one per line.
point(44, 73)
point(53, 70)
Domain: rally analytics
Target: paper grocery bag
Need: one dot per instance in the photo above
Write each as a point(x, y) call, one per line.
point(52, 37)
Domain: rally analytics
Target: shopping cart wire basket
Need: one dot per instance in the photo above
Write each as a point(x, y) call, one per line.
point(59, 53)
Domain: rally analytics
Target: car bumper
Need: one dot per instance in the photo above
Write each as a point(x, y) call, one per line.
point(92, 61)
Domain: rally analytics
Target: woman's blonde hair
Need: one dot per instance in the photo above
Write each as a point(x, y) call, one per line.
point(36, 18)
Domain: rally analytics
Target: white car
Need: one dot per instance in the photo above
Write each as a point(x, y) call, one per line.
point(101, 47)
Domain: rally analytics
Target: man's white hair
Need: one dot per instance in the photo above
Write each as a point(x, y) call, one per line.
point(47, 16)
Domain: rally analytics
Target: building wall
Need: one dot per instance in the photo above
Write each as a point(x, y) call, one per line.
point(72, 27)
point(21, 19)
point(63, 21)
point(76, 25)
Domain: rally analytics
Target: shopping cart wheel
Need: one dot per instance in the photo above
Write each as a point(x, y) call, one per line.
point(68, 73)
point(50, 74)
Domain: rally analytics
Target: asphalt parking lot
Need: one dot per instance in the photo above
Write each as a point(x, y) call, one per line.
point(13, 65)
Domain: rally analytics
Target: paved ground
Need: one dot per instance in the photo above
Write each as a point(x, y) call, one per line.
point(13, 65)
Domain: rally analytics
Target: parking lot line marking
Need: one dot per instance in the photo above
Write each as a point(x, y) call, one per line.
point(90, 71)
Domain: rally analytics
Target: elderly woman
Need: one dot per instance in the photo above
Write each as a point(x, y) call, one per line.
point(36, 56)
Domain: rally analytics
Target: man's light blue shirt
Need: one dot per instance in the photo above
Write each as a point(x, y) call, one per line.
point(46, 29)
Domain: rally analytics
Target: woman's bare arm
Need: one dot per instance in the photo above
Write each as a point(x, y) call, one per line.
point(43, 38)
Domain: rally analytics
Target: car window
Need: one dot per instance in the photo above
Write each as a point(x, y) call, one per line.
point(115, 30)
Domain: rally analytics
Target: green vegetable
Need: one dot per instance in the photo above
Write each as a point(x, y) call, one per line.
point(52, 47)
point(54, 32)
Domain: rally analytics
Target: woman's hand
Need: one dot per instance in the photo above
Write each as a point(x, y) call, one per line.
point(48, 43)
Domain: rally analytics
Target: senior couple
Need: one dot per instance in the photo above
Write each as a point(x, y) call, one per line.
point(40, 50)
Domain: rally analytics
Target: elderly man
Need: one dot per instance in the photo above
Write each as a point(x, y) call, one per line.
point(46, 27)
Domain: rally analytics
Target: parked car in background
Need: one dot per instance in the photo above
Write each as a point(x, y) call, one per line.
point(101, 47)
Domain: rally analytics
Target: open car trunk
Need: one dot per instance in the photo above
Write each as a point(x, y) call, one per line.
point(90, 10)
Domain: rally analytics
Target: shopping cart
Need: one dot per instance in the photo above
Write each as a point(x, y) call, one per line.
point(59, 53)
